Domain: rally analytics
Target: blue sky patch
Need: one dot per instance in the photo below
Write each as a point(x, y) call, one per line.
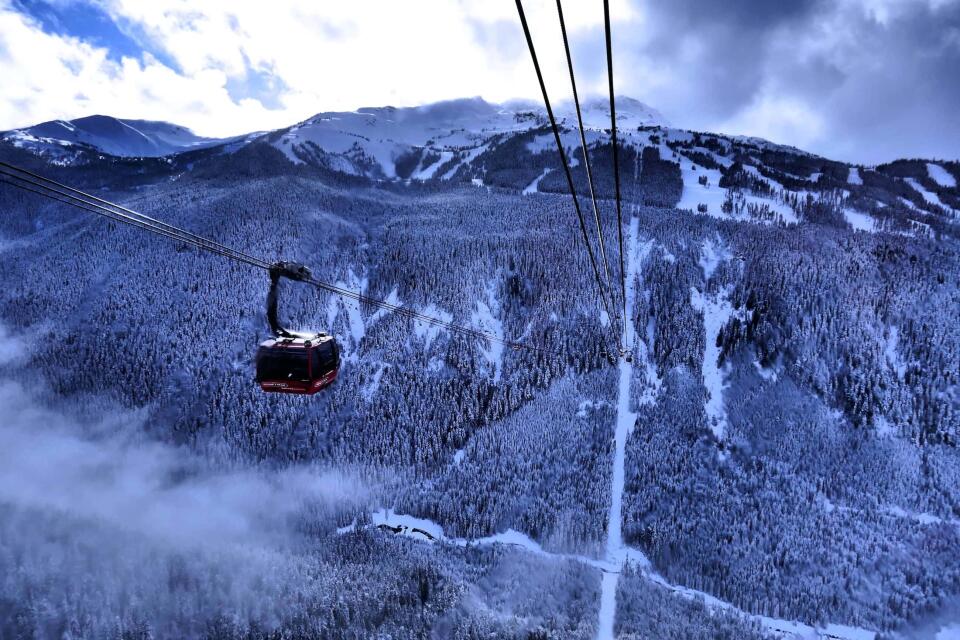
point(88, 22)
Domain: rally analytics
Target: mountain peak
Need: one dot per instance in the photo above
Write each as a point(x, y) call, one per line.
point(631, 113)
point(107, 134)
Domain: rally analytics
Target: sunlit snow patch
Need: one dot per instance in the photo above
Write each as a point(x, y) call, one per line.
point(484, 319)
point(354, 315)
point(427, 331)
point(372, 385)
point(694, 193)
point(941, 176)
point(714, 253)
point(854, 176)
point(859, 220)
point(407, 525)
point(929, 196)
point(716, 310)
point(534, 186)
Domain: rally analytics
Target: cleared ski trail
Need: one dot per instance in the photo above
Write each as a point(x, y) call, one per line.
point(616, 552)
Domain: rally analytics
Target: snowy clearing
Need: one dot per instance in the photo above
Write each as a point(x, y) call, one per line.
point(534, 186)
point(470, 157)
point(608, 606)
point(427, 331)
point(484, 318)
point(695, 193)
point(355, 323)
point(929, 196)
point(941, 176)
point(370, 388)
point(428, 531)
point(617, 552)
point(713, 196)
point(714, 252)
point(858, 220)
point(716, 310)
point(891, 352)
point(425, 173)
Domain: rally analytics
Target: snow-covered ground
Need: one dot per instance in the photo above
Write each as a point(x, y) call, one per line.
point(353, 140)
point(712, 255)
point(716, 310)
point(355, 323)
point(642, 344)
point(425, 173)
point(929, 196)
point(786, 213)
point(372, 385)
point(430, 532)
point(484, 318)
point(941, 176)
point(616, 552)
point(429, 332)
point(470, 157)
point(608, 605)
point(859, 220)
point(892, 353)
point(854, 176)
point(534, 186)
point(695, 193)
point(713, 196)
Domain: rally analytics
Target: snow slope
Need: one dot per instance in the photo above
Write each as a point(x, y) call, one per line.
point(713, 196)
point(123, 138)
point(859, 220)
point(941, 176)
point(370, 141)
point(929, 196)
point(595, 112)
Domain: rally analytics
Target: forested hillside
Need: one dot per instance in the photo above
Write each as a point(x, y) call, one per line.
point(792, 453)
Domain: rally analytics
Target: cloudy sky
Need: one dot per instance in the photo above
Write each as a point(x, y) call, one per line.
point(859, 80)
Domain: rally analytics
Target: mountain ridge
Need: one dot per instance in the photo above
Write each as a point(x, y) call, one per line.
point(106, 134)
point(123, 137)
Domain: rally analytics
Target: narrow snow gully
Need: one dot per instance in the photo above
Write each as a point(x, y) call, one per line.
point(616, 551)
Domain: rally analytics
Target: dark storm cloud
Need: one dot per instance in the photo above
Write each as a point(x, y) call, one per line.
point(857, 79)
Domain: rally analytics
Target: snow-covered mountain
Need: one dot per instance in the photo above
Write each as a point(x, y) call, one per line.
point(113, 136)
point(369, 141)
point(373, 141)
point(778, 461)
point(631, 113)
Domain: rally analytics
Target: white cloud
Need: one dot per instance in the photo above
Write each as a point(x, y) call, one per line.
point(321, 56)
point(48, 76)
point(105, 472)
point(813, 75)
point(778, 117)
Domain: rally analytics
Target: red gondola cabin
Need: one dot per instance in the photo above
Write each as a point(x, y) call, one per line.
point(297, 364)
